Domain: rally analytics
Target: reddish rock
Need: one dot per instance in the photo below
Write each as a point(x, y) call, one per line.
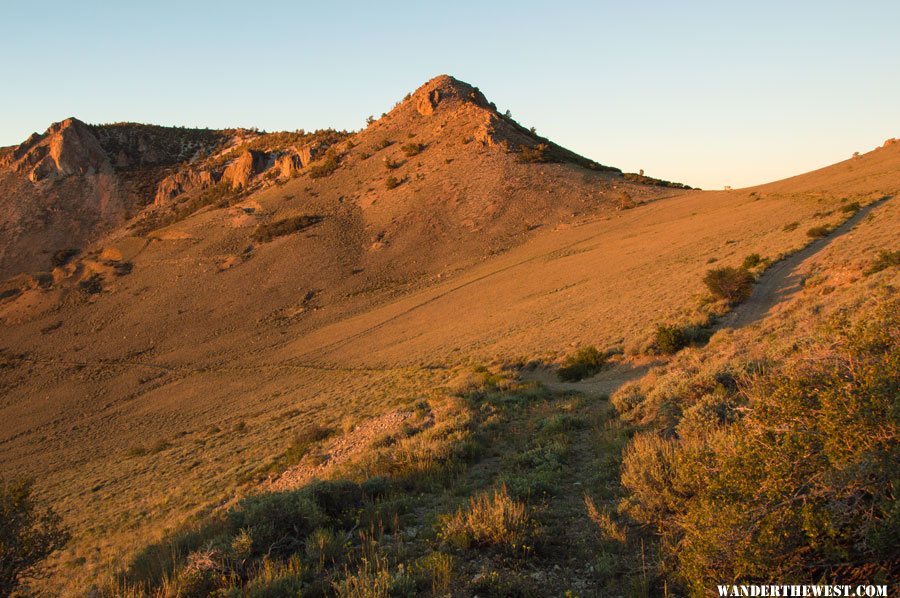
point(249, 164)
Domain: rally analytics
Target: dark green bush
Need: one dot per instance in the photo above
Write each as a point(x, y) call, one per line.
point(803, 481)
point(584, 363)
point(751, 261)
point(731, 284)
point(818, 232)
point(669, 339)
point(28, 534)
point(411, 149)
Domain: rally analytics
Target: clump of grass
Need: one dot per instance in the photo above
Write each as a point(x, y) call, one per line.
point(885, 260)
point(584, 363)
point(731, 284)
point(286, 226)
point(791, 226)
point(607, 528)
point(383, 144)
point(818, 232)
point(439, 567)
point(561, 423)
point(851, 208)
point(491, 519)
point(393, 182)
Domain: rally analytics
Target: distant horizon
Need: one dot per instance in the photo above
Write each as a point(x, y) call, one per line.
point(705, 94)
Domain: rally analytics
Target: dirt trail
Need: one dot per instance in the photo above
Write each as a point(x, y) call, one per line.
point(603, 384)
point(783, 279)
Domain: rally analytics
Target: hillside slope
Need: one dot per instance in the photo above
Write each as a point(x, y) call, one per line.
point(150, 377)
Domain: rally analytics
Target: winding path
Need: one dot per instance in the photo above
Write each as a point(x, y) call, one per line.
point(783, 279)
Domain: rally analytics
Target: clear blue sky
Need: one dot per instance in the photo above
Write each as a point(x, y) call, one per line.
point(709, 93)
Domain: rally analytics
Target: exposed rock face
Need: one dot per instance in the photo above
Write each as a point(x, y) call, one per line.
point(183, 181)
point(68, 147)
point(290, 163)
point(247, 165)
point(444, 91)
point(890, 142)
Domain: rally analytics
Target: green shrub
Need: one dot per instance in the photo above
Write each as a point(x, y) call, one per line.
point(731, 284)
point(393, 182)
point(803, 481)
point(28, 534)
point(286, 226)
point(412, 149)
point(818, 232)
point(584, 363)
point(278, 522)
point(669, 339)
point(325, 165)
point(752, 261)
point(851, 208)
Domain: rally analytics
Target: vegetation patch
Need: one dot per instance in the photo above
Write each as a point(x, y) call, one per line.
point(535, 155)
point(412, 149)
point(490, 519)
point(803, 497)
point(818, 232)
point(584, 363)
point(286, 226)
point(669, 339)
point(886, 259)
point(731, 284)
point(29, 534)
point(393, 182)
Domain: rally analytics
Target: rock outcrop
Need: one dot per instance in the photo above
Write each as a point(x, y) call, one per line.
point(183, 181)
point(444, 91)
point(247, 165)
point(67, 148)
